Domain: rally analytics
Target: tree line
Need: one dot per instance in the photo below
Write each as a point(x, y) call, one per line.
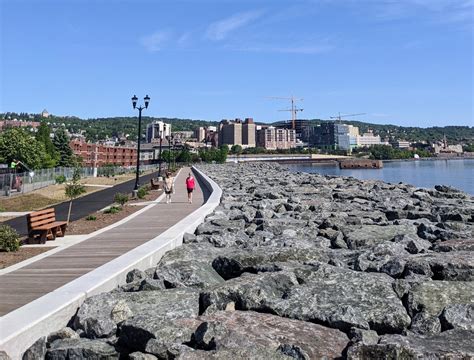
point(36, 151)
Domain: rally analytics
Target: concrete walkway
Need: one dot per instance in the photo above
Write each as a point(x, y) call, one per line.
point(28, 283)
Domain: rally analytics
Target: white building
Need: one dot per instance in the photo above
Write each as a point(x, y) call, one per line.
point(157, 129)
point(368, 139)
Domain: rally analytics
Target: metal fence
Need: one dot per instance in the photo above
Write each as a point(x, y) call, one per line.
point(15, 183)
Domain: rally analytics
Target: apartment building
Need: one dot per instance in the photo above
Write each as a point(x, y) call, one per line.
point(272, 138)
point(157, 129)
point(96, 155)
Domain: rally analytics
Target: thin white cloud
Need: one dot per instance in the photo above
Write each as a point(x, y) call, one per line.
point(155, 41)
point(310, 49)
point(442, 11)
point(220, 29)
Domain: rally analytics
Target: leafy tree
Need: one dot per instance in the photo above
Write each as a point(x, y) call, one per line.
point(61, 143)
point(17, 144)
point(184, 156)
point(236, 149)
point(74, 188)
point(43, 137)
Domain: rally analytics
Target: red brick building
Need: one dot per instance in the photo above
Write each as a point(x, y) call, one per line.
point(96, 155)
point(5, 124)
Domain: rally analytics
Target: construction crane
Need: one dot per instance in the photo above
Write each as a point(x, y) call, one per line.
point(339, 116)
point(294, 110)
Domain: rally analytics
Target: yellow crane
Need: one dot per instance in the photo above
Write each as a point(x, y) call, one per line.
point(293, 109)
point(339, 116)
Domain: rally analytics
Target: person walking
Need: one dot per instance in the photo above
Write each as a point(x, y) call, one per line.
point(169, 187)
point(190, 185)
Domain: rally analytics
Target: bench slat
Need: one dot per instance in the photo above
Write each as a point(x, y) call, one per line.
point(41, 217)
point(42, 212)
point(42, 222)
point(50, 226)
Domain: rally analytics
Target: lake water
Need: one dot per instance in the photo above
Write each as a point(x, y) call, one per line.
point(421, 173)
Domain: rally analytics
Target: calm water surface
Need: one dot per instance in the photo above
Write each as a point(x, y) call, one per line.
point(421, 173)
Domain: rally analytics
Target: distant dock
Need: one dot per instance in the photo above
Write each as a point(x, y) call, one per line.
point(286, 158)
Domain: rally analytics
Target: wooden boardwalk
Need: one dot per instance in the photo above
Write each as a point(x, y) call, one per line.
point(28, 283)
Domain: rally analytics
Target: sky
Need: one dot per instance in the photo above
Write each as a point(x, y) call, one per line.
point(402, 62)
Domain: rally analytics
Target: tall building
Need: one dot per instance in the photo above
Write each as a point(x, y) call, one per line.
point(324, 136)
point(200, 134)
point(302, 128)
point(272, 138)
point(248, 133)
point(230, 132)
point(156, 129)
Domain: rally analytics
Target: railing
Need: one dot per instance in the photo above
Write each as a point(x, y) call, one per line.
point(13, 183)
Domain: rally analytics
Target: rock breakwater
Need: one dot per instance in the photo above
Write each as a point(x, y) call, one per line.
point(296, 266)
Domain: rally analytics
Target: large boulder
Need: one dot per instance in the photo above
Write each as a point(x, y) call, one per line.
point(370, 235)
point(246, 329)
point(249, 291)
point(99, 315)
point(458, 316)
point(453, 266)
point(156, 335)
point(343, 299)
point(81, 349)
point(452, 344)
point(188, 273)
point(432, 296)
point(234, 262)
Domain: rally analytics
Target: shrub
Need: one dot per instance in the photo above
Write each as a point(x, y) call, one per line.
point(142, 192)
point(91, 218)
point(9, 239)
point(121, 199)
point(112, 210)
point(60, 179)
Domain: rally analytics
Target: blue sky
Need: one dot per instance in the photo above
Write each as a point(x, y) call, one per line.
point(405, 62)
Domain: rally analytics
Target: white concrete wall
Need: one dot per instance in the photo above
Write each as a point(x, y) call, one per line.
point(19, 329)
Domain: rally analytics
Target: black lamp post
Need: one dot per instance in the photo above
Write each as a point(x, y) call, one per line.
point(160, 160)
point(146, 99)
point(169, 152)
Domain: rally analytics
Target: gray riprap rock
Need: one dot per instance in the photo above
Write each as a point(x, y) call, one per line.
point(454, 245)
point(452, 344)
point(4, 355)
point(370, 235)
point(155, 334)
point(432, 296)
point(151, 285)
point(253, 353)
point(81, 349)
point(245, 329)
point(135, 275)
point(187, 274)
point(453, 266)
point(234, 262)
point(343, 299)
point(64, 333)
point(99, 315)
point(191, 252)
point(137, 355)
point(425, 324)
point(458, 316)
point(368, 337)
point(249, 291)
point(36, 351)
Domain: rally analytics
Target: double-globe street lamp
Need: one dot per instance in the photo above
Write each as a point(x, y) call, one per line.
point(146, 99)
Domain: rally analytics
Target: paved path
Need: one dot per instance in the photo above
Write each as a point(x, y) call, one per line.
point(85, 205)
point(26, 284)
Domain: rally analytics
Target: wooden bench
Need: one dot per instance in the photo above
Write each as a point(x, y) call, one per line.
point(154, 184)
point(43, 224)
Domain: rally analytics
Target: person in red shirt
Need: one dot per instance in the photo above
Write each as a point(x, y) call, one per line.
point(190, 185)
